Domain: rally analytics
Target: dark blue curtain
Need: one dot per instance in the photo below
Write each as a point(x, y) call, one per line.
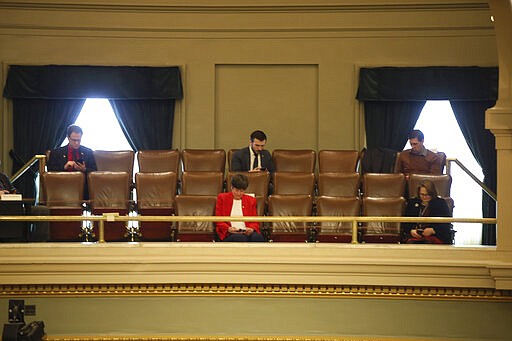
point(471, 118)
point(147, 124)
point(389, 123)
point(39, 125)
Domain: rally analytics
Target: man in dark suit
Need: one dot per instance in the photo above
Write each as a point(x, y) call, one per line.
point(72, 157)
point(253, 158)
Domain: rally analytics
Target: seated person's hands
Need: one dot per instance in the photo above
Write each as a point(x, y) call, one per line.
point(79, 166)
point(232, 229)
point(427, 231)
point(258, 169)
point(69, 165)
point(249, 231)
point(416, 234)
point(4, 191)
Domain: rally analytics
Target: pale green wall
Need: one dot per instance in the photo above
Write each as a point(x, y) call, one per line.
point(229, 316)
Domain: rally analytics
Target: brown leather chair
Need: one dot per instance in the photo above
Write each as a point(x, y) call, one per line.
point(109, 192)
point(258, 182)
point(336, 232)
point(258, 186)
point(339, 184)
point(334, 161)
point(195, 205)
point(293, 183)
point(230, 157)
point(64, 195)
point(442, 182)
point(204, 160)
point(442, 157)
point(261, 205)
point(289, 206)
point(114, 161)
point(202, 183)
point(155, 161)
point(383, 185)
point(155, 196)
point(379, 232)
point(288, 160)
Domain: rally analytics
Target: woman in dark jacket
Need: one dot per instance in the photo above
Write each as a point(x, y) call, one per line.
point(427, 204)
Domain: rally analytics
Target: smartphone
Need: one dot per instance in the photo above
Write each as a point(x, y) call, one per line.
point(80, 161)
point(419, 231)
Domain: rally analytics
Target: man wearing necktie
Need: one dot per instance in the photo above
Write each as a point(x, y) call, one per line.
point(73, 157)
point(253, 158)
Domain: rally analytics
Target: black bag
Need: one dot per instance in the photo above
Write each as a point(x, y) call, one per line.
point(34, 331)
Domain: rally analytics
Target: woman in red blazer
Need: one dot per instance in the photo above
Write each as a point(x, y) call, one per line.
point(237, 204)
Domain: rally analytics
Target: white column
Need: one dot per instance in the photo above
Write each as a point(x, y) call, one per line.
point(499, 120)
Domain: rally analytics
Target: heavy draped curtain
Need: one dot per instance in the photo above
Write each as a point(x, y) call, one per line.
point(480, 141)
point(394, 96)
point(46, 99)
point(39, 126)
point(153, 130)
point(383, 117)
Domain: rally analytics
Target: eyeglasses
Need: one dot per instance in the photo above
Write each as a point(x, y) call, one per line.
point(425, 195)
point(75, 140)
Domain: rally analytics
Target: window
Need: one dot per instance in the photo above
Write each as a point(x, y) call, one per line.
point(442, 133)
point(102, 132)
point(100, 126)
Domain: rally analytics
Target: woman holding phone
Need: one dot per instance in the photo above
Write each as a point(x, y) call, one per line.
point(427, 204)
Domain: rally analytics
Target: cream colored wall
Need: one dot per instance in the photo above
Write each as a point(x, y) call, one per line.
point(289, 67)
point(291, 70)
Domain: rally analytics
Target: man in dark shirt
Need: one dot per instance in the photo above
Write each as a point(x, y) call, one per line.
point(253, 158)
point(73, 156)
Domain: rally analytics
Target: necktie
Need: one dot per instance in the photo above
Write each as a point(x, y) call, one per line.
point(255, 163)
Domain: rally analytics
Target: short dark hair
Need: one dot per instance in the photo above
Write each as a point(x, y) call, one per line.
point(429, 186)
point(240, 181)
point(73, 128)
point(258, 134)
point(416, 134)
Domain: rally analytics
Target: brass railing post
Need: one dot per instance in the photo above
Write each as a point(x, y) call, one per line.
point(101, 229)
point(354, 231)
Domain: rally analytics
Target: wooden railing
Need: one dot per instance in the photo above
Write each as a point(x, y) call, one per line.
point(355, 220)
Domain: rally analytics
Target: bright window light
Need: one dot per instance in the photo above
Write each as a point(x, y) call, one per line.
point(442, 133)
point(102, 132)
point(100, 126)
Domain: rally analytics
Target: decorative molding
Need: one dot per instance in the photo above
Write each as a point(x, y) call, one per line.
point(227, 338)
point(249, 6)
point(267, 290)
point(283, 19)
